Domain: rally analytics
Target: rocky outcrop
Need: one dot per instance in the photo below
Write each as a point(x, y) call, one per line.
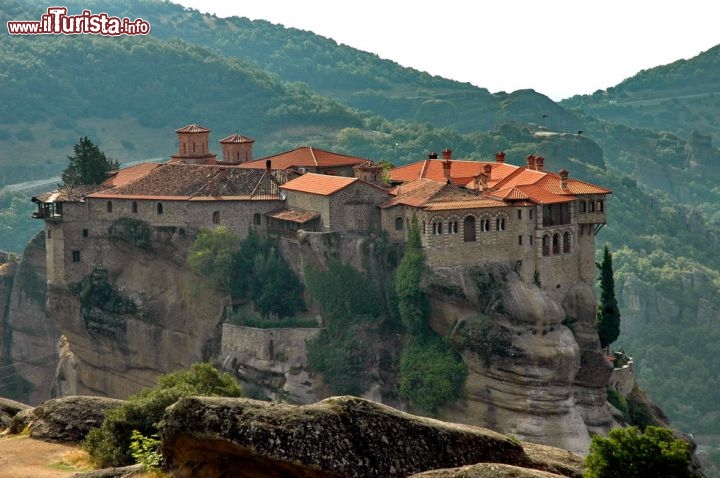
point(143, 313)
point(535, 365)
point(29, 335)
point(338, 437)
point(8, 409)
point(64, 420)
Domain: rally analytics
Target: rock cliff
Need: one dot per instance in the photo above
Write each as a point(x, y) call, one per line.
point(535, 366)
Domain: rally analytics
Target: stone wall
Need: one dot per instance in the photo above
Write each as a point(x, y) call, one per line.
point(256, 355)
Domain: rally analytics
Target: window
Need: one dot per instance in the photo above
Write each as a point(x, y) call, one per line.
point(519, 240)
point(531, 214)
point(566, 243)
point(519, 213)
point(469, 229)
point(49, 233)
point(108, 206)
point(76, 256)
point(452, 227)
point(398, 224)
point(583, 207)
point(531, 240)
point(85, 233)
point(159, 208)
point(591, 206)
point(546, 245)
point(437, 227)
point(484, 225)
point(556, 244)
point(424, 230)
point(600, 206)
point(216, 217)
point(134, 207)
point(257, 219)
point(500, 224)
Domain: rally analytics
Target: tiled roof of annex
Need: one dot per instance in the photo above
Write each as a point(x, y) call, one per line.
point(190, 182)
point(304, 157)
point(434, 195)
point(424, 180)
point(321, 184)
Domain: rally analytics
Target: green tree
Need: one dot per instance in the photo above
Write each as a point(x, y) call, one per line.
point(215, 256)
point(89, 165)
point(109, 445)
point(413, 303)
point(629, 453)
point(275, 288)
point(608, 315)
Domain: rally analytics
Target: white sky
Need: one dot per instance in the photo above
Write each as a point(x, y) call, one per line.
point(556, 47)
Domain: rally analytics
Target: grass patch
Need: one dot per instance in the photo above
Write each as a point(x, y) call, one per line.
point(75, 460)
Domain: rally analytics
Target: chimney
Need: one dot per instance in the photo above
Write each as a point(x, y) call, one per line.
point(500, 157)
point(432, 155)
point(539, 160)
point(268, 166)
point(563, 178)
point(531, 161)
point(447, 154)
point(446, 164)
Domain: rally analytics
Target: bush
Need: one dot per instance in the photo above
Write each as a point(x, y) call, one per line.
point(629, 453)
point(431, 373)
point(110, 445)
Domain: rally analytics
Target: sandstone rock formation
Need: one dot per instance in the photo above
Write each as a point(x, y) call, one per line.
point(29, 335)
point(64, 420)
point(340, 436)
point(536, 368)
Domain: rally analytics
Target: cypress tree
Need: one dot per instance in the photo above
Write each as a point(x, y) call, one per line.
point(608, 315)
point(88, 165)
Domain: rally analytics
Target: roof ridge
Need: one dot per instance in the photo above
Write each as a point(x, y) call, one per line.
point(312, 154)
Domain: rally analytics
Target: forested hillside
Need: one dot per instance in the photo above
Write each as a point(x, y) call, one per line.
point(285, 87)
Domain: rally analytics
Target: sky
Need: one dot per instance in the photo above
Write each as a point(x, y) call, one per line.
point(557, 47)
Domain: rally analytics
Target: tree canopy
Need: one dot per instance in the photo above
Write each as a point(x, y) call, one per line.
point(629, 453)
point(89, 165)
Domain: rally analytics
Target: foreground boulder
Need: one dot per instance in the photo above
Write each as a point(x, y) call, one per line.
point(64, 420)
point(8, 409)
point(338, 437)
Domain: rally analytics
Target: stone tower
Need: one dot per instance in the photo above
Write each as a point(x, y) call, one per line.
point(193, 142)
point(236, 149)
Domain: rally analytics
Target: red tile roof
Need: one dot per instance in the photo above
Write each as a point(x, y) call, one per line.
point(322, 184)
point(131, 173)
point(307, 157)
point(506, 183)
point(192, 128)
point(178, 181)
point(300, 216)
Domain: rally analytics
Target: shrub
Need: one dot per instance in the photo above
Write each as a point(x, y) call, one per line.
point(629, 453)
point(109, 445)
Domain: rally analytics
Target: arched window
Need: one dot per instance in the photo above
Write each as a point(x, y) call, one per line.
point(398, 223)
point(134, 207)
point(469, 229)
point(556, 243)
point(216, 217)
point(566, 242)
point(257, 219)
point(500, 224)
point(159, 208)
point(484, 225)
point(108, 206)
point(424, 230)
point(546, 245)
point(453, 225)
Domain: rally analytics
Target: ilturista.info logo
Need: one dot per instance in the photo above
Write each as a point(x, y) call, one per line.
point(57, 22)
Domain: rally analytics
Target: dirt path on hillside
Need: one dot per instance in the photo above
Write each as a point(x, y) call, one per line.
point(23, 457)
